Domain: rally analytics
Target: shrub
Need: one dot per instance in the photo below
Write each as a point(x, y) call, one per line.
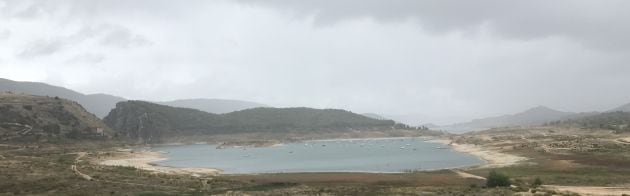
point(537, 182)
point(496, 179)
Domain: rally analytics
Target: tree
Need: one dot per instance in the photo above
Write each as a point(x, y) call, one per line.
point(496, 179)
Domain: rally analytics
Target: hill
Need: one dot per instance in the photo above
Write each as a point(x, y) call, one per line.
point(151, 123)
point(618, 121)
point(531, 117)
point(623, 108)
point(217, 106)
point(287, 119)
point(37, 118)
point(98, 104)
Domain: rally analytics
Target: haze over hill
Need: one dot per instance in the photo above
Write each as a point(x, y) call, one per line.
point(534, 116)
point(217, 106)
point(623, 108)
point(374, 116)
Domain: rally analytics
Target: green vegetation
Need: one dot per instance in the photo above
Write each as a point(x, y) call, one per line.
point(258, 119)
point(496, 179)
point(150, 122)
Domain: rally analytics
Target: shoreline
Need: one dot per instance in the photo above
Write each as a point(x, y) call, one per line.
point(145, 160)
point(493, 157)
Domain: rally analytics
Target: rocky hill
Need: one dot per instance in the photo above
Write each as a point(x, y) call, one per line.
point(151, 123)
point(98, 104)
point(38, 118)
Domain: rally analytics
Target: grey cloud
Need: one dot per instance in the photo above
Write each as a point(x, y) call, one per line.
point(113, 35)
point(109, 35)
point(597, 24)
point(124, 38)
point(5, 34)
point(87, 58)
point(42, 47)
point(30, 12)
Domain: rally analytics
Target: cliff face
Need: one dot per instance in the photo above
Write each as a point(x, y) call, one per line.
point(151, 123)
point(37, 118)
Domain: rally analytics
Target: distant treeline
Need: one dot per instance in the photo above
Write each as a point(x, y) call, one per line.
point(150, 122)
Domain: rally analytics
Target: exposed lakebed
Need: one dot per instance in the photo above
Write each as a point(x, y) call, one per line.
point(356, 155)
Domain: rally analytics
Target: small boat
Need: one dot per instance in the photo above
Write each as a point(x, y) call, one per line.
point(402, 147)
point(441, 147)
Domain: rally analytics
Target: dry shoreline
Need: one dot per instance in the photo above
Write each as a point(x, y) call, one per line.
point(145, 160)
point(493, 157)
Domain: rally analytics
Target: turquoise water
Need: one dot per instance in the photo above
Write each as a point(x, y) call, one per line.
point(361, 155)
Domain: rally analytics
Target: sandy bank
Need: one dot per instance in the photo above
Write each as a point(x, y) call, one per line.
point(590, 190)
point(493, 157)
point(145, 159)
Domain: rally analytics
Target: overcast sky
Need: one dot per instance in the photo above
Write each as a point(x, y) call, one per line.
point(442, 61)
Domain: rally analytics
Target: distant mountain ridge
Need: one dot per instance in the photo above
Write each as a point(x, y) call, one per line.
point(153, 123)
point(534, 116)
point(98, 104)
point(623, 108)
point(101, 104)
point(216, 106)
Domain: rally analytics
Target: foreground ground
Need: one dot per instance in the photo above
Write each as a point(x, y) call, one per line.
point(567, 161)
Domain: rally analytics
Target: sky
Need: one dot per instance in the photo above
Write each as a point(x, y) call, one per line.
point(433, 61)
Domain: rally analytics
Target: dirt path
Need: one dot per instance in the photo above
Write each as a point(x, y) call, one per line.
point(74, 167)
point(467, 175)
point(590, 190)
point(625, 140)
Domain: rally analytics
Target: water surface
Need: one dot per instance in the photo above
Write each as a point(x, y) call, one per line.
point(359, 155)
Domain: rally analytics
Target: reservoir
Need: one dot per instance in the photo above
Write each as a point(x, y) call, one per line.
point(383, 155)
